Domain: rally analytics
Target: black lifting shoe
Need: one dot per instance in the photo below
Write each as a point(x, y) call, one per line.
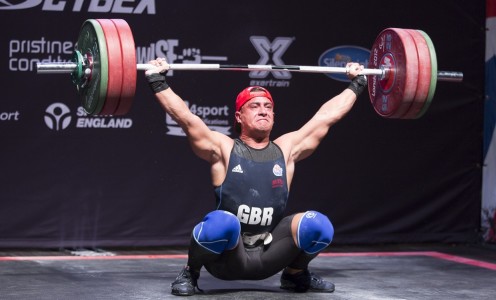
point(185, 282)
point(304, 281)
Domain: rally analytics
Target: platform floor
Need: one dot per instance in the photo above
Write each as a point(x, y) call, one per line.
point(385, 272)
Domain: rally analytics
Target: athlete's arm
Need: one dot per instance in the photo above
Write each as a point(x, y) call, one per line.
point(300, 144)
point(207, 144)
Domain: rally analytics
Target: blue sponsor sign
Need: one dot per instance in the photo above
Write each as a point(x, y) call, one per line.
point(340, 56)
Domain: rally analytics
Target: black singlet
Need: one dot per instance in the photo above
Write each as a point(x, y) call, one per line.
point(255, 188)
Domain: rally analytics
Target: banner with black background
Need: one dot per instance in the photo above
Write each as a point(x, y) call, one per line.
point(71, 180)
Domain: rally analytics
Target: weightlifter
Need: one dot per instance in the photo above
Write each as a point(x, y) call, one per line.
point(248, 236)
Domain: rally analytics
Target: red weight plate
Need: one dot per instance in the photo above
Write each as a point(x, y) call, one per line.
point(128, 66)
point(424, 75)
point(395, 50)
point(114, 54)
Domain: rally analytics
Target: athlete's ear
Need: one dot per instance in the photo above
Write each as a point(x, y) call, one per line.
point(237, 115)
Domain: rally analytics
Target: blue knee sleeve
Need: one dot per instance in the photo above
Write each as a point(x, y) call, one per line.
point(315, 232)
point(219, 231)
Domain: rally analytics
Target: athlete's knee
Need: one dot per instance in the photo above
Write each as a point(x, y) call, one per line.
point(314, 233)
point(219, 231)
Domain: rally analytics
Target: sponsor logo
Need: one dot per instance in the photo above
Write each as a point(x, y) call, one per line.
point(215, 117)
point(276, 183)
point(277, 170)
point(170, 50)
point(237, 169)
point(270, 53)
point(310, 215)
point(58, 117)
point(95, 6)
point(7, 5)
point(9, 116)
point(87, 121)
point(20, 50)
point(340, 56)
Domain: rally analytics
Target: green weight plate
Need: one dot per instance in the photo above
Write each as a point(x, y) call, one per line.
point(432, 87)
point(424, 75)
point(92, 45)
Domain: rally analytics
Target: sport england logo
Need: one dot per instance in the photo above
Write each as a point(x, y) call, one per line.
point(97, 6)
point(340, 56)
point(9, 116)
point(58, 116)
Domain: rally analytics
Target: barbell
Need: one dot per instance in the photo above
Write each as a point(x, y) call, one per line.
point(402, 70)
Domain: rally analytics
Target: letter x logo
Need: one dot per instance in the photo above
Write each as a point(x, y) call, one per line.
point(266, 49)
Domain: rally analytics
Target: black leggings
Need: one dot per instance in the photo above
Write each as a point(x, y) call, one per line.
point(260, 262)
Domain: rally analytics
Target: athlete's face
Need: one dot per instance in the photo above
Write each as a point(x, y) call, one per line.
point(256, 115)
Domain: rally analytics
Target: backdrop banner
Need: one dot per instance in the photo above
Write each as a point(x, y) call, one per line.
point(488, 216)
point(68, 179)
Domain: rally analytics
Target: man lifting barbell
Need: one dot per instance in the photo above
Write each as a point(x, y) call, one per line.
point(248, 237)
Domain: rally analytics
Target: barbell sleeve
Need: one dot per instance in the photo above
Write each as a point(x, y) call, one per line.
point(56, 67)
point(450, 76)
